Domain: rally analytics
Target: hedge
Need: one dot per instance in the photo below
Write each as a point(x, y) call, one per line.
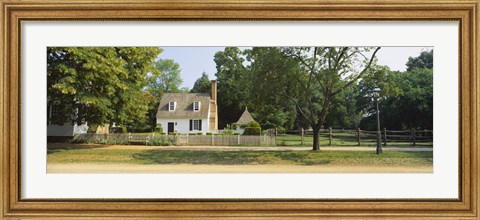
point(158, 129)
point(119, 130)
point(252, 131)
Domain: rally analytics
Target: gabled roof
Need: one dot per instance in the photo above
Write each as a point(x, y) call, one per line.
point(245, 118)
point(184, 108)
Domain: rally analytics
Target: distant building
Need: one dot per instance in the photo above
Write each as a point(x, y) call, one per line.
point(243, 120)
point(189, 112)
point(57, 131)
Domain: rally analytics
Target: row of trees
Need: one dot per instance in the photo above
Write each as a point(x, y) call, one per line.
point(295, 87)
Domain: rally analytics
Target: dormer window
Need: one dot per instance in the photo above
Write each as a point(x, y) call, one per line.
point(196, 106)
point(171, 106)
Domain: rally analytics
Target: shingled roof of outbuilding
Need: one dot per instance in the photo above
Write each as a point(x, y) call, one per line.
point(184, 108)
point(245, 118)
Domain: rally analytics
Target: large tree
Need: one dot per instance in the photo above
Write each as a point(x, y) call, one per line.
point(327, 71)
point(168, 79)
point(271, 74)
point(99, 84)
point(202, 84)
point(234, 84)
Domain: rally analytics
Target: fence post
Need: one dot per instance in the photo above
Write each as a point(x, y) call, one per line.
point(358, 136)
point(238, 142)
point(330, 136)
point(414, 138)
point(213, 140)
point(384, 136)
point(302, 133)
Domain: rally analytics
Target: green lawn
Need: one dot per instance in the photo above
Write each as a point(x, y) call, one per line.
point(339, 140)
point(157, 156)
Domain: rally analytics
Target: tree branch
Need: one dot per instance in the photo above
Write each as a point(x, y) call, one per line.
point(359, 75)
point(300, 109)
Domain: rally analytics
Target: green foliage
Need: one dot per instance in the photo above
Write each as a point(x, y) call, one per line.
point(208, 133)
point(100, 85)
point(280, 84)
point(425, 60)
point(92, 128)
point(195, 133)
point(202, 84)
point(168, 78)
point(234, 84)
point(119, 129)
point(113, 142)
point(172, 133)
point(227, 132)
point(165, 78)
point(253, 124)
point(252, 131)
point(406, 100)
point(159, 128)
point(159, 141)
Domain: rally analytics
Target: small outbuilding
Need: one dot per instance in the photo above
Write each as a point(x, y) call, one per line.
point(243, 120)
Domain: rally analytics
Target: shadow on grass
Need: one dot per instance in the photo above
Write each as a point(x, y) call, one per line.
point(300, 158)
point(55, 148)
point(225, 157)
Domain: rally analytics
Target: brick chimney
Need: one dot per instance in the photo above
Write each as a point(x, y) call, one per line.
point(213, 95)
point(213, 125)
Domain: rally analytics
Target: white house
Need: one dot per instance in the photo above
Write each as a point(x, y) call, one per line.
point(55, 129)
point(189, 112)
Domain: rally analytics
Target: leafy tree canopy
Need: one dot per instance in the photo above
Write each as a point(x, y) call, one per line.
point(202, 84)
point(99, 84)
point(425, 60)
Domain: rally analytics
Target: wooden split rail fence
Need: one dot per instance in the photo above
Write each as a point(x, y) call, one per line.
point(386, 136)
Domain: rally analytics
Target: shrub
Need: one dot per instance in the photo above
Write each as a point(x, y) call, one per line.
point(172, 133)
point(209, 133)
point(226, 132)
point(92, 128)
point(253, 124)
point(236, 133)
point(75, 140)
point(113, 142)
point(159, 142)
point(158, 129)
point(252, 131)
point(119, 130)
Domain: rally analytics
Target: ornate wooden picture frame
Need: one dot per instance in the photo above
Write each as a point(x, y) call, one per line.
point(14, 13)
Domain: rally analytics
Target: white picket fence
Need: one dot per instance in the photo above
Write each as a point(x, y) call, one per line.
point(179, 139)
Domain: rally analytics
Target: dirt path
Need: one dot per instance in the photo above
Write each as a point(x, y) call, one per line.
point(189, 168)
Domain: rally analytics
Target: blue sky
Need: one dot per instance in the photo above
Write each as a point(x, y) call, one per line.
point(196, 60)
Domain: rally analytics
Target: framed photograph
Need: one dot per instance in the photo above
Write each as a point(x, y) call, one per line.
point(246, 110)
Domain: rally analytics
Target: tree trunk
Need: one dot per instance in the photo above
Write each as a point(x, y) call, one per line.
point(316, 139)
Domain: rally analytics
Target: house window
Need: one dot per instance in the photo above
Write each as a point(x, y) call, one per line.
point(54, 113)
point(195, 125)
point(196, 106)
point(171, 106)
